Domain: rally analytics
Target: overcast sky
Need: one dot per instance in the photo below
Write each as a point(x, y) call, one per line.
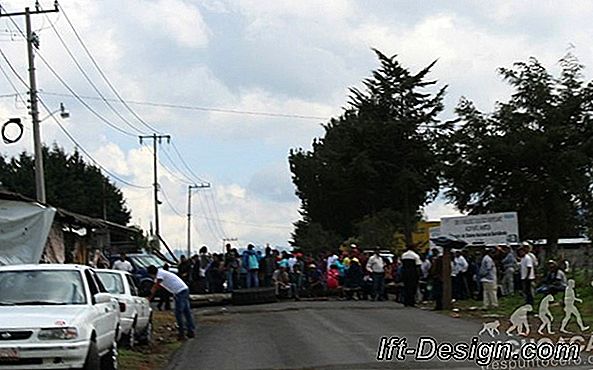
point(288, 57)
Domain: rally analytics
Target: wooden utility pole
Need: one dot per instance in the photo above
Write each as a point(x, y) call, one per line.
point(156, 139)
point(189, 190)
point(33, 42)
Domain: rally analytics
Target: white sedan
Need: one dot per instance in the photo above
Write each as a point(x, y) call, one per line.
point(136, 314)
point(56, 317)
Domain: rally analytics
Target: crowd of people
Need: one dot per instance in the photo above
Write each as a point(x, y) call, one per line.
point(349, 273)
point(480, 273)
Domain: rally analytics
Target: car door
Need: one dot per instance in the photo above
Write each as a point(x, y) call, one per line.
point(142, 304)
point(104, 313)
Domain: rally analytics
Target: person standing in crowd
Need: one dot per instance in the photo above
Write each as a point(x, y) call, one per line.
point(122, 264)
point(527, 274)
point(200, 269)
point(230, 268)
point(436, 278)
point(424, 270)
point(376, 267)
point(251, 264)
point(175, 286)
point(488, 279)
point(509, 264)
point(184, 269)
point(458, 271)
point(268, 266)
point(410, 275)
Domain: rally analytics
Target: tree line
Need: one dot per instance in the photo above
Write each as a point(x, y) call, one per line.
point(70, 183)
point(389, 154)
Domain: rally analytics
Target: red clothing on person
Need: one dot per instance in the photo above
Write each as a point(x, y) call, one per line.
point(332, 279)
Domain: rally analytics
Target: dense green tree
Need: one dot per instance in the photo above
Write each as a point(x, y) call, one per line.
point(70, 183)
point(532, 155)
point(378, 155)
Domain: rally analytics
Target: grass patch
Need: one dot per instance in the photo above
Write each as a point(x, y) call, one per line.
point(157, 354)
point(470, 308)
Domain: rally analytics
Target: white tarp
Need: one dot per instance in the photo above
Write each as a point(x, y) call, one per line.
point(489, 229)
point(23, 231)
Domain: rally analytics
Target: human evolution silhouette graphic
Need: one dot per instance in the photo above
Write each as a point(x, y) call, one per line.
point(520, 323)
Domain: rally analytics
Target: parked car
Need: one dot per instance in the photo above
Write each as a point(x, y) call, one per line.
point(58, 317)
point(140, 261)
point(136, 314)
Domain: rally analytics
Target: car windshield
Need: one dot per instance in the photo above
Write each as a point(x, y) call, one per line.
point(112, 281)
point(143, 261)
point(41, 287)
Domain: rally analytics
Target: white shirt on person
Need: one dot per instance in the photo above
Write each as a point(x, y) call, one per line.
point(411, 255)
point(375, 264)
point(123, 265)
point(170, 281)
point(460, 266)
point(526, 264)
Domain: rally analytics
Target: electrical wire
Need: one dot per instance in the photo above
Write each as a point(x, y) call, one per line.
point(209, 222)
point(187, 167)
point(166, 198)
point(187, 179)
point(87, 106)
point(89, 80)
point(271, 226)
point(63, 82)
point(95, 162)
point(100, 70)
point(205, 109)
point(214, 217)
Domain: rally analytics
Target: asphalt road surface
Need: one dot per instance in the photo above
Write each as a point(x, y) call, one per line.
point(314, 335)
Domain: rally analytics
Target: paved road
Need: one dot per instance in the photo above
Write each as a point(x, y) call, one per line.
point(319, 335)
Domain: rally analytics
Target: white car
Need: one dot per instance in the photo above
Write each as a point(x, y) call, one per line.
point(56, 317)
point(136, 314)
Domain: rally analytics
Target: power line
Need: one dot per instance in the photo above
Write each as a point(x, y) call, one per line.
point(89, 80)
point(185, 163)
point(273, 226)
point(166, 198)
point(95, 162)
point(16, 91)
point(88, 107)
point(205, 109)
point(209, 221)
point(187, 180)
point(103, 74)
point(215, 223)
point(53, 71)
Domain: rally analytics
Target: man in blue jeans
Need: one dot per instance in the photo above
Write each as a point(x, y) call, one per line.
point(174, 285)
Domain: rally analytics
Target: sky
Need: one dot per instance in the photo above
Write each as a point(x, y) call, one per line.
point(293, 58)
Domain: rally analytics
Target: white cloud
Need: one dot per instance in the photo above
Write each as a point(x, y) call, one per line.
point(180, 20)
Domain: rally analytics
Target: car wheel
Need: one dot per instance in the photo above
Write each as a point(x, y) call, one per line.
point(110, 360)
point(146, 337)
point(92, 361)
point(129, 339)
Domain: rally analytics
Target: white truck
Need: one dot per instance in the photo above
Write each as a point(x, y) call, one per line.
point(56, 317)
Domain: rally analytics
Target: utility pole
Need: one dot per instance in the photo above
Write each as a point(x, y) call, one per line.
point(156, 139)
point(189, 189)
point(33, 42)
point(225, 240)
